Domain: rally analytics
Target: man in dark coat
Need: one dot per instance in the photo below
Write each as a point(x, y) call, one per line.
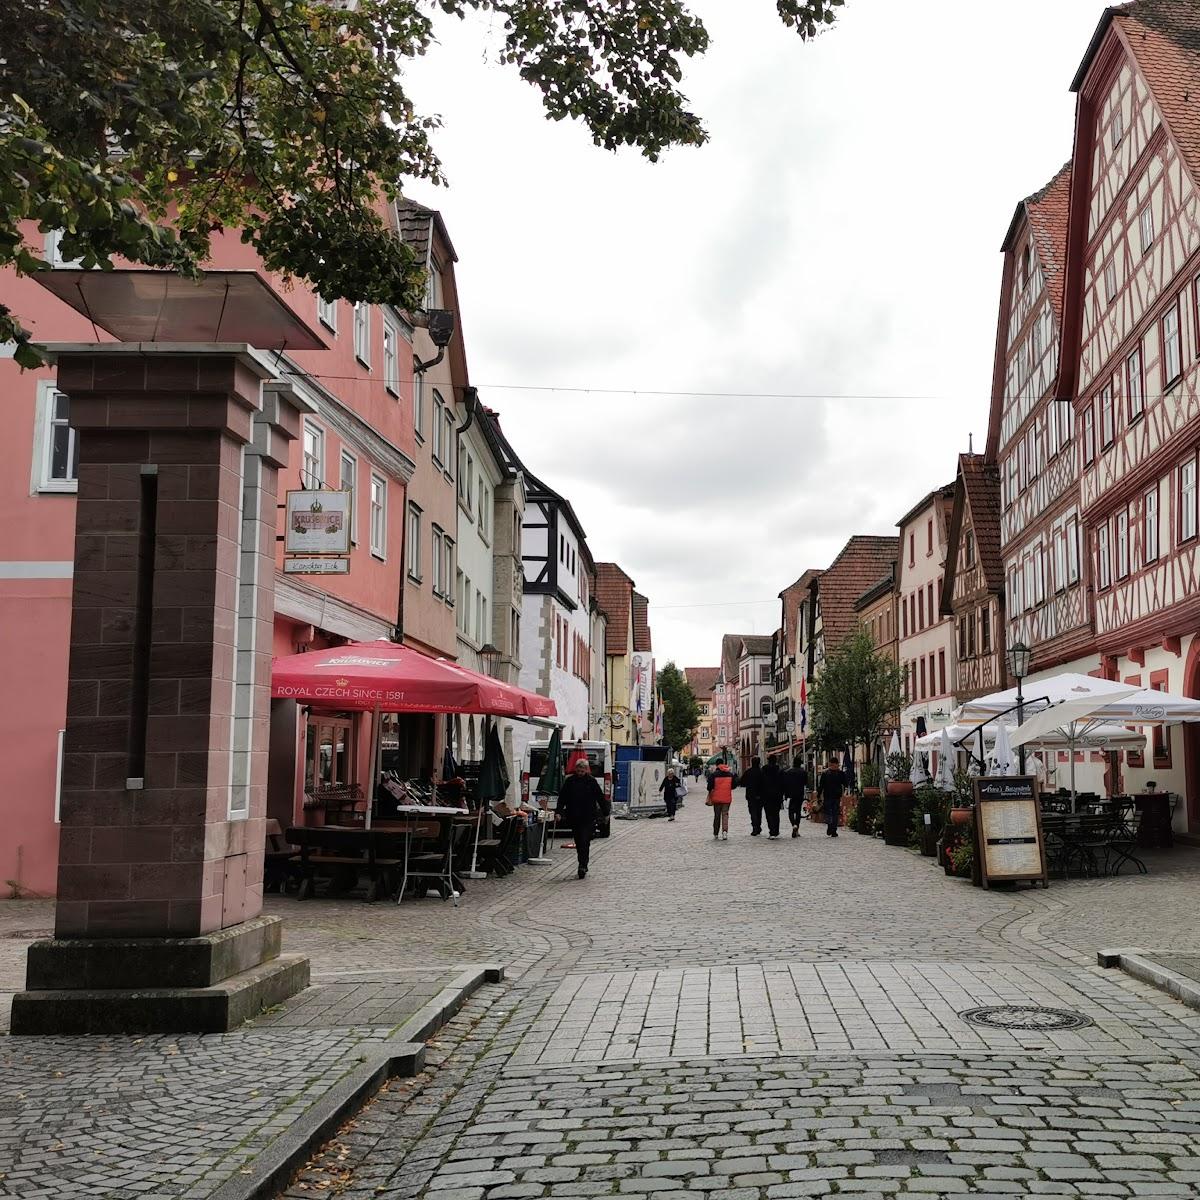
point(772, 796)
point(831, 786)
point(795, 783)
point(580, 803)
point(752, 782)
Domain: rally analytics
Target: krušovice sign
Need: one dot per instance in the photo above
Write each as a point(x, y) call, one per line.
point(317, 540)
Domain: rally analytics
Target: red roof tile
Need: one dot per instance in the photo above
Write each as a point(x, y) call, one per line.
point(1047, 212)
point(793, 596)
point(641, 623)
point(702, 680)
point(864, 560)
point(614, 595)
point(982, 483)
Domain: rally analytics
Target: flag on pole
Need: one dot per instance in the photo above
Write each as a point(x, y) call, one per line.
point(803, 705)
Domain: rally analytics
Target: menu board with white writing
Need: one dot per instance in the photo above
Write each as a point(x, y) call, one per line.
point(1009, 829)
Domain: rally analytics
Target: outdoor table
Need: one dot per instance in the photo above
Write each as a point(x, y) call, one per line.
point(449, 882)
point(342, 849)
point(1154, 829)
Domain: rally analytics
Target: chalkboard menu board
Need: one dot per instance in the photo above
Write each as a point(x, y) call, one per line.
point(1008, 829)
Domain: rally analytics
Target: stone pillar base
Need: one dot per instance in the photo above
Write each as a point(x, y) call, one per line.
point(207, 984)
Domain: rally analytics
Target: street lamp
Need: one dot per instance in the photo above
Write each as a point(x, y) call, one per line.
point(491, 656)
point(1018, 657)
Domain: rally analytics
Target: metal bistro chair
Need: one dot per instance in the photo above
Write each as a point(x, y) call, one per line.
point(1123, 837)
point(428, 859)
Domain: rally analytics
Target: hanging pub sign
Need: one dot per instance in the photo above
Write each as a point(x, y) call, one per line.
point(1008, 830)
point(317, 537)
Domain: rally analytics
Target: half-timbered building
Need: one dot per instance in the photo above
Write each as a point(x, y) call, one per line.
point(1031, 442)
point(1131, 345)
point(973, 584)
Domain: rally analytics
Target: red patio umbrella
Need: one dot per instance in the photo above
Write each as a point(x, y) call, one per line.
point(385, 676)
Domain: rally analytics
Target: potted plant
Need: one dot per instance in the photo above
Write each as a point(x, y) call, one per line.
point(868, 804)
point(962, 860)
point(899, 767)
point(898, 803)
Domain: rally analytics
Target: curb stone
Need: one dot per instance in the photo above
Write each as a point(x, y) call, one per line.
point(402, 1054)
point(1133, 962)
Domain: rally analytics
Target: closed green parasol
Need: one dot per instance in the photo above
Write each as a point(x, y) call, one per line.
point(493, 772)
point(554, 772)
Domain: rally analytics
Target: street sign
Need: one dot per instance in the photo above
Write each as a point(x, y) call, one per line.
point(297, 565)
point(318, 522)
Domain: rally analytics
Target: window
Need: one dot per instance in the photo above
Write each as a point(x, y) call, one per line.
point(1161, 733)
point(1146, 228)
point(1039, 572)
point(1089, 434)
point(54, 253)
point(969, 549)
point(448, 437)
point(1170, 345)
point(419, 406)
point(433, 285)
point(941, 672)
point(391, 356)
point(327, 313)
point(1013, 480)
point(904, 615)
point(412, 552)
point(764, 673)
point(1135, 385)
point(1187, 500)
point(1150, 523)
point(313, 469)
point(1110, 280)
point(1072, 530)
point(921, 609)
point(912, 537)
point(1107, 416)
point(439, 427)
point(921, 695)
point(349, 473)
point(448, 570)
point(929, 537)
point(1059, 541)
point(1118, 125)
point(969, 630)
point(985, 630)
point(932, 617)
point(436, 566)
point(1103, 557)
point(485, 510)
point(362, 333)
point(378, 516)
point(465, 475)
point(1122, 544)
point(58, 457)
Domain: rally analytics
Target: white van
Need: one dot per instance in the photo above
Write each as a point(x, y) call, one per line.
point(599, 756)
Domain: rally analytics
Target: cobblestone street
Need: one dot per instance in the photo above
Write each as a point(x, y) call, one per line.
point(748, 1018)
point(758, 1019)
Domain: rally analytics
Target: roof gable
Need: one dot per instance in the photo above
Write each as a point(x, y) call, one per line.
point(614, 595)
point(641, 623)
point(863, 561)
point(702, 680)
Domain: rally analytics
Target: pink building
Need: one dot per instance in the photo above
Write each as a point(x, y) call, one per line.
point(358, 434)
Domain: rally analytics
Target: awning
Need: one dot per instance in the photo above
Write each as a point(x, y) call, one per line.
point(393, 678)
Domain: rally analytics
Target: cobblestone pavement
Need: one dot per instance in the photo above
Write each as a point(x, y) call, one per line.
point(751, 1018)
point(760, 1019)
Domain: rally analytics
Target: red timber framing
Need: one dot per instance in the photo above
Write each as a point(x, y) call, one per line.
point(973, 585)
point(1031, 442)
point(1131, 333)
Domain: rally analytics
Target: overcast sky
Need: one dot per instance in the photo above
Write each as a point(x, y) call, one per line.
point(836, 242)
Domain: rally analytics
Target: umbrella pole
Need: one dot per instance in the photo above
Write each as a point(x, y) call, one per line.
point(376, 759)
point(475, 872)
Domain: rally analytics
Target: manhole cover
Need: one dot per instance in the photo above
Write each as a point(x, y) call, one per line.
point(1025, 1016)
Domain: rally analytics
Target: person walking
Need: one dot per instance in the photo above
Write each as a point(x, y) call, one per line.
point(752, 782)
point(720, 797)
point(580, 803)
point(672, 788)
point(795, 784)
point(830, 786)
point(772, 796)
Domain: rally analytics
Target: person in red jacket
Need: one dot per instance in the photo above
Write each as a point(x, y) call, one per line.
point(720, 796)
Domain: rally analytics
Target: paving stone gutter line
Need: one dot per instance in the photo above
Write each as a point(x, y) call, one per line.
point(1142, 964)
point(402, 1054)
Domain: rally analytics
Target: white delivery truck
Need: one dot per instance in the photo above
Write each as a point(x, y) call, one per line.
point(534, 763)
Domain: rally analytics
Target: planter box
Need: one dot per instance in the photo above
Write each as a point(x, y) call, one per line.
point(897, 819)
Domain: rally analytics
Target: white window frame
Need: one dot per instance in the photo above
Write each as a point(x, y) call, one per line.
point(1135, 384)
point(1172, 340)
point(439, 427)
point(1072, 532)
point(1187, 499)
point(1122, 540)
point(54, 254)
point(465, 474)
point(1110, 281)
point(391, 355)
point(449, 437)
point(419, 406)
point(379, 515)
point(313, 478)
point(1150, 524)
point(450, 568)
point(346, 459)
point(362, 332)
point(1103, 557)
point(44, 426)
point(1108, 416)
point(485, 506)
point(1146, 228)
point(327, 313)
point(436, 567)
point(1089, 434)
point(1118, 123)
point(412, 543)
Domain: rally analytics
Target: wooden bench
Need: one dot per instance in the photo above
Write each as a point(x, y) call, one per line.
point(343, 855)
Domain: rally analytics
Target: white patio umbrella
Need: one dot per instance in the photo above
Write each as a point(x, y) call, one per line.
point(1084, 723)
point(945, 772)
point(1041, 693)
point(1003, 760)
point(919, 775)
point(894, 744)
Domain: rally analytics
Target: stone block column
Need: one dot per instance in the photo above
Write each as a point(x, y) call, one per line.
point(165, 760)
